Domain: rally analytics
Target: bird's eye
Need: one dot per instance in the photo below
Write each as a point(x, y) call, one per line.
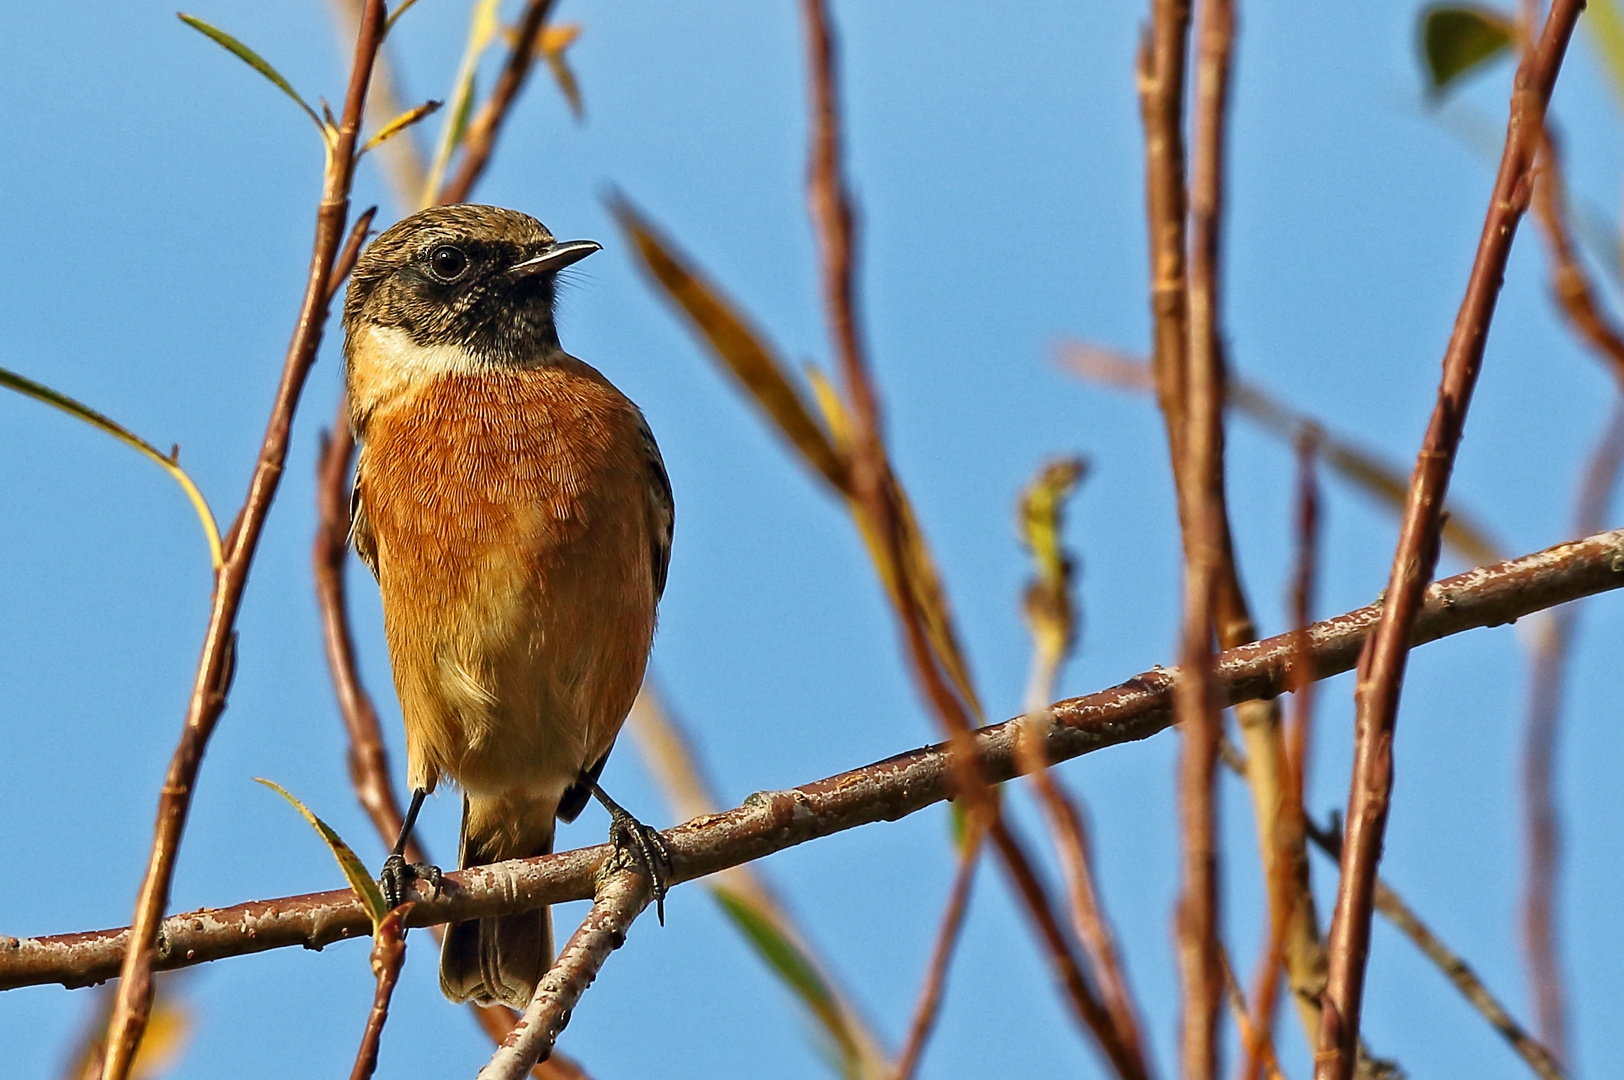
point(447, 263)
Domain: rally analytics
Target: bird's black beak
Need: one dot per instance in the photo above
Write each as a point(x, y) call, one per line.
point(556, 256)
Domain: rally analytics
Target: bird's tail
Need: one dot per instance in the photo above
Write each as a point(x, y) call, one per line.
point(498, 959)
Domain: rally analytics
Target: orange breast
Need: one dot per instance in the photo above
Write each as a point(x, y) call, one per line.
point(511, 517)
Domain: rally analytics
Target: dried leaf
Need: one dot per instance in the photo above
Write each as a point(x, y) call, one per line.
point(252, 59)
point(555, 40)
point(401, 123)
point(29, 388)
point(735, 342)
point(355, 872)
point(1457, 40)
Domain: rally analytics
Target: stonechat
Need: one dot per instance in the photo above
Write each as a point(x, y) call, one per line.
point(517, 515)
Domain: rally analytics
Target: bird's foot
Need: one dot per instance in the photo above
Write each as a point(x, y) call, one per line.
point(398, 875)
point(638, 845)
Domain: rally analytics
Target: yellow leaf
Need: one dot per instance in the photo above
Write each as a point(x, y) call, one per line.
point(401, 123)
point(205, 516)
point(1050, 612)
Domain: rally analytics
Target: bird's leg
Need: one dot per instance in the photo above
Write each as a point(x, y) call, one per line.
point(398, 874)
point(633, 840)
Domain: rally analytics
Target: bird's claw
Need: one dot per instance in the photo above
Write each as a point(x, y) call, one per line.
point(638, 844)
point(398, 875)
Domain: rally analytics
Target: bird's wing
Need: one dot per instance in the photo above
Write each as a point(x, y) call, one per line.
point(664, 507)
point(360, 528)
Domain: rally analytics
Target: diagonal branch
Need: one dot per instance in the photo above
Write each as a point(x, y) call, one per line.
point(214, 671)
point(884, 791)
point(941, 955)
point(480, 141)
point(1381, 670)
point(1455, 969)
point(621, 899)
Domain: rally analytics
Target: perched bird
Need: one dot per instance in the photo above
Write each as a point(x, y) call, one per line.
point(517, 515)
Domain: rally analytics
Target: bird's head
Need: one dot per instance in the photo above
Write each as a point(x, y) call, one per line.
point(471, 280)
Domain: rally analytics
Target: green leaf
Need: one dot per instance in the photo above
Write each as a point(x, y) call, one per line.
point(29, 388)
point(791, 965)
point(355, 871)
point(1456, 40)
point(1606, 23)
point(253, 60)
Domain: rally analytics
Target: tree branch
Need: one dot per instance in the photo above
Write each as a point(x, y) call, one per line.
point(480, 141)
point(884, 791)
point(215, 667)
point(622, 898)
point(1381, 672)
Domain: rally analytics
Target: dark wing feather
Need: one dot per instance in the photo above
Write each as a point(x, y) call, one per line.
point(361, 529)
point(665, 510)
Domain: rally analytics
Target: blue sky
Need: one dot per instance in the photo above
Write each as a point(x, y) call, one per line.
point(161, 199)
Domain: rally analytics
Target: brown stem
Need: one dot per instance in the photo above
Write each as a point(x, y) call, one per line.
point(1160, 71)
point(388, 954)
point(1200, 476)
point(941, 955)
point(621, 899)
point(480, 140)
point(1087, 913)
point(1381, 671)
point(213, 679)
point(1456, 970)
point(1068, 967)
point(1251, 1035)
point(1570, 283)
point(1542, 828)
point(1289, 892)
point(887, 790)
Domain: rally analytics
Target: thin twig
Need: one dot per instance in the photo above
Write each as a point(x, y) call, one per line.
point(877, 499)
point(1456, 970)
point(1200, 477)
point(388, 954)
point(1251, 1035)
point(480, 140)
point(1570, 282)
point(1589, 319)
point(1542, 825)
point(1067, 966)
point(1285, 897)
point(1089, 923)
point(1381, 671)
point(404, 167)
point(622, 898)
point(929, 1002)
point(214, 671)
point(887, 790)
point(1160, 71)
point(1470, 540)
